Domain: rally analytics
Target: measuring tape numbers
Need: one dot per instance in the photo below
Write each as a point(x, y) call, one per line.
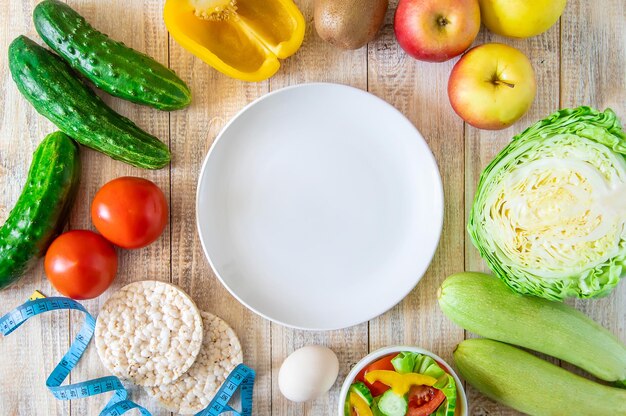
point(241, 378)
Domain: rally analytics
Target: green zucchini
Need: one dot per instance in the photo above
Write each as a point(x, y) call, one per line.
point(110, 65)
point(484, 305)
point(43, 207)
point(56, 92)
point(531, 385)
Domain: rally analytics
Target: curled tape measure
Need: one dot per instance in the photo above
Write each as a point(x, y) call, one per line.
point(241, 378)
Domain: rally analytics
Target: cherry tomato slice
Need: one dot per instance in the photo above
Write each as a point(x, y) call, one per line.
point(81, 264)
point(424, 400)
point(384, 363)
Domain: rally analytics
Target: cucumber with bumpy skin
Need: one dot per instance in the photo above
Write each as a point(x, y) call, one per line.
point(53, 88)
point(531, 385)
point(484, 305)
point(110, 65)
point(42, 209)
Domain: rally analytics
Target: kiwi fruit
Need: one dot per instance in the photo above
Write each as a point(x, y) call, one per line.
point(349, 24)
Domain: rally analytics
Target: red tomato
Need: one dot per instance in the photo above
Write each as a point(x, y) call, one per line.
point(130, 212)
point(384, 363)
point(81, 264)
point(424, 400)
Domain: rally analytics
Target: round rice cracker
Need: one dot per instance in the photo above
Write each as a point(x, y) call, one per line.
point(149, 332)
point(220, 354)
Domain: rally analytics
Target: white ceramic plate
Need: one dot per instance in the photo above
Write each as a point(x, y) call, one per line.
point(319, 206)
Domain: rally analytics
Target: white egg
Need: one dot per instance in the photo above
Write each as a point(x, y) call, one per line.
point(308, 373)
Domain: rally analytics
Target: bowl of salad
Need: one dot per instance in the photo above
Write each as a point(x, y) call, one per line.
point(402, 381)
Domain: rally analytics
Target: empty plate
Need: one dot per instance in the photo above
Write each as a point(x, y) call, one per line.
point(319, 206)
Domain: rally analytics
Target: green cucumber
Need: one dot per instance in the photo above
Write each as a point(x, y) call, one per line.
point(531, 385)
point(42, 209)
point(484, 305)
point(110, 65)
point(363, 392)
point(51, 86)
point(391, 404)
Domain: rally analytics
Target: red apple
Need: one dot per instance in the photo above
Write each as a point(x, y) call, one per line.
point(436, 30)
point(492, 86)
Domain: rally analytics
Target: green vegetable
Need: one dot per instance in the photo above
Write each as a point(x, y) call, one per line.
point(43, 207)
point(548, 216)
point(448, 407)
point(375, 409)
point(390, 404)
point(51, 86)
point(531, 385)
point(361, 389)
point(112, 66)
point(410, 362)
point(484, 305)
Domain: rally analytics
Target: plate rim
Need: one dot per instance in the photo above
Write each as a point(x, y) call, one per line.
point(429, 154)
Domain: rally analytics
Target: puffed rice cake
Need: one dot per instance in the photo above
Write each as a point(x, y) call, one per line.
point(220, 354)
point(149, 332)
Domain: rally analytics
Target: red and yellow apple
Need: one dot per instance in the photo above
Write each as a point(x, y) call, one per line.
point(492, 86)
point(436, 30)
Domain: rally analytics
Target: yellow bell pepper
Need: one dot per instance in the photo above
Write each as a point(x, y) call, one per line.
point(399, 383)
point(241, 38)
point(358, 404)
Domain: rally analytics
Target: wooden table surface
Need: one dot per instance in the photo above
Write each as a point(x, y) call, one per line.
point(580, 60)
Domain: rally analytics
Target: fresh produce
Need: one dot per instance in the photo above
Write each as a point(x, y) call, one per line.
point(42, 209)
point(520, 19)
point(436, 30)
point(51, 86)
point(130, 212)
point(243, 39)
point(416, 385)
point(219, 355)
point(484, 305)
point(81, 264)
point(349, 25)
point(548, 216)
point(531, 385)
point(308, 373)
point(492, 86)
point(111, 66)
point(384, 363)
point(150, 333)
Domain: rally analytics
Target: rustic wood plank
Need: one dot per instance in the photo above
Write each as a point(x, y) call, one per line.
point(590, 41)
point(593, 62)
point(318, 61)
point(418, 89)
point(216, 99)
point(482, 146)
point(32, 351)
point(139, 25)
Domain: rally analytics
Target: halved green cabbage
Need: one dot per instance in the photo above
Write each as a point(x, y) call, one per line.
point(549, 216)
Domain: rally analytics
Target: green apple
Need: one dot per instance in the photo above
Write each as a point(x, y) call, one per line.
point(492, 86)
point(520, 18)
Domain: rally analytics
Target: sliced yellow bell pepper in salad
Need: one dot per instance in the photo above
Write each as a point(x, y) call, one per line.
point(400, 383)
point(358, 404)
point(243, 39)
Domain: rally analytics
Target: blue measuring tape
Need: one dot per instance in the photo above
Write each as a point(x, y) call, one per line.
point(241, 378)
